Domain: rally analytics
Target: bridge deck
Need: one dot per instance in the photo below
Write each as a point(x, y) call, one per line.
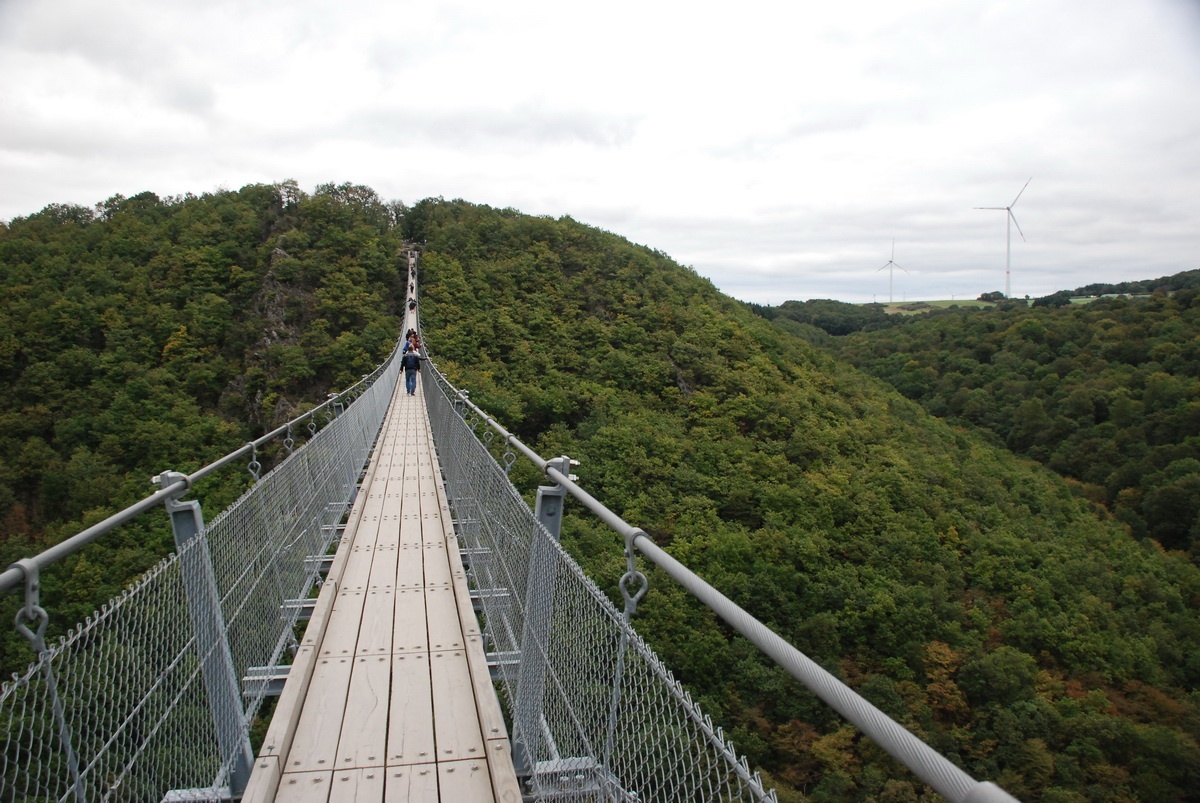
point(389, 697)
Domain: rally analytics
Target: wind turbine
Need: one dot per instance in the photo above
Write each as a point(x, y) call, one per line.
point(1008, 247)
point(891, 265)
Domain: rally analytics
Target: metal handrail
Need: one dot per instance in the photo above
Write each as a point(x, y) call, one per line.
point(926, 763)
point(16, 575)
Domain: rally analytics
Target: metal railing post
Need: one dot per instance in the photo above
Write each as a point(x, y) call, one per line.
point(212, 643)
point(34, 613)
point(539, 610)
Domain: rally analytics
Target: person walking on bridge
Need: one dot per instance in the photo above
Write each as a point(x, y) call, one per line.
point(411, 363)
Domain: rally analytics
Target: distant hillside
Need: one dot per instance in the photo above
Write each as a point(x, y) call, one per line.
point(963, 590)
point(1107, 394)
point(831, 317)
point(1187, 280)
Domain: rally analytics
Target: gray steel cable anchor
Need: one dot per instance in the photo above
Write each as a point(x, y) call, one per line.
point(32, 611)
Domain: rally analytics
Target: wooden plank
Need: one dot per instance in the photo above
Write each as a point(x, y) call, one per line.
point(264, 780)
point(410, 522)
point(389, 520)
point(410, 631)
point(314, 632)
point(278, 740)
point(375, 626)
point(391, 492)
point(375, 483)
point(357, 572)
point(491, 719)
point(436, 468)
point(441, 614)
point(364, 725)
point(305, 787)
point(455, 719)
point(356, 786)
point(341, 635)
point(468, 622)
point(464, 780)
point(375, 491)
point(437, 565)
point(410, 509)
point(432, 529)
point(410, 567)
point(450, 539)
point(505, 786)
point(431, 520)
point(432, 532)
point(315, 743)
point(383, 564)
point(410, 720)
point(417, 783)
point(388, 533)
point(368, 531)
point(454, 557)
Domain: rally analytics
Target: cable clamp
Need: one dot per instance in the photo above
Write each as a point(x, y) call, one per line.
point(32, 611)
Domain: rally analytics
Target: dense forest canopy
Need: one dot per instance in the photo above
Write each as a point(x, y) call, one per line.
point(1107, 394)
point(152, 334)
point(968, 592)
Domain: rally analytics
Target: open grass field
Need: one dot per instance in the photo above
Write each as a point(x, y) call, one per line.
point(914, 307)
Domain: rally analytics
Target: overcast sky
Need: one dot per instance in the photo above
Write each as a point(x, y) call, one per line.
point(776, 147)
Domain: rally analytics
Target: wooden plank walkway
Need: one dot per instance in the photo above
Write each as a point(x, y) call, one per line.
point(389, 697)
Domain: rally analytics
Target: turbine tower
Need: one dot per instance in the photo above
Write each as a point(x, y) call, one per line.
point(1008, 246)
point(891, 265)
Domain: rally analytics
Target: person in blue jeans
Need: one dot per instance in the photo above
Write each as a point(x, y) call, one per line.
point(411, 363)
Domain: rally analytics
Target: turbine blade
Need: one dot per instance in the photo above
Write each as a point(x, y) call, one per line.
point(1003, 208)
point(1014, 220)
point(1014, 203)
point(885, 266)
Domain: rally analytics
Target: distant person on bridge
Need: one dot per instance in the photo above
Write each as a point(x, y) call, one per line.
point(412, 342)
point(411, 363)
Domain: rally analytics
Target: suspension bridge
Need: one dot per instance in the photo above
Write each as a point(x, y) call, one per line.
point(412, 630)
point(393, 655)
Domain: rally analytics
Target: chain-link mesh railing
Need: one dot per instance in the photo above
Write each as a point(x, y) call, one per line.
point(119, 709)
point(596, 715)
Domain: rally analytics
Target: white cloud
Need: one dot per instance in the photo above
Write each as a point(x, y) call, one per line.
point(777, 149)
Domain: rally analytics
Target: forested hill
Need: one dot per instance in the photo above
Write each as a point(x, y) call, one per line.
point(151, 334)
point(964, 590)
point(1106, 393)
